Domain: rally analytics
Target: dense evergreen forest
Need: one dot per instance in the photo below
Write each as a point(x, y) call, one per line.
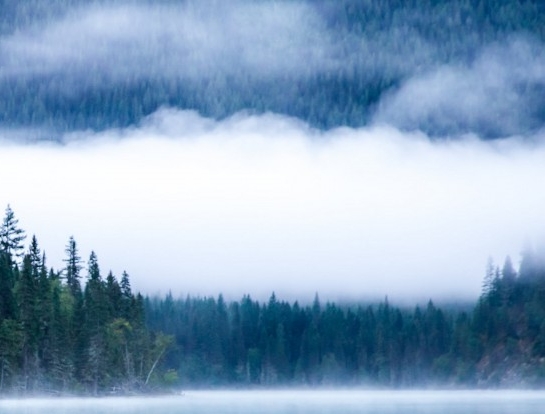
point(376, 44)
point(60, 334)
point(498, 343)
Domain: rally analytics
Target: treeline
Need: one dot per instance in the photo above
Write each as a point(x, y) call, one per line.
point(501, 342)
point(277, 343)
point(73, 331)
point(61, 335)
point(380, 43)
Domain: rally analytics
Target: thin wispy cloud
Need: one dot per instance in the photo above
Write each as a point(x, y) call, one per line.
point(500, 93)
point(119, 43)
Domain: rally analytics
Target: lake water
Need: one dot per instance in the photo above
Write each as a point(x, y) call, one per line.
point(294, 402)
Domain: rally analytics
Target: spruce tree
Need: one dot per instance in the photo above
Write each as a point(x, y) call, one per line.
point(113, 291)
point(27, 298)
point(96, 315)
point(11, 236)
point(127, 298)
point(35, 257)
point(7, 280)
point(11, 344)
point(73, 267)
point(60, 341)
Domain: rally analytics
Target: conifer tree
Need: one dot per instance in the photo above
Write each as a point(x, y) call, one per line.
point(35, 256)
point(11, 236)
point(113, 291)
point(7, 282)
point(60, 341)
point(73, 267)
point(508, 271)
point(488, 281)
point(127, 298)
point(26, 290)
point(11, 344)
point(96, 316)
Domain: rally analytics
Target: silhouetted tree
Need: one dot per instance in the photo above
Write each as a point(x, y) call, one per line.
point(11, 236)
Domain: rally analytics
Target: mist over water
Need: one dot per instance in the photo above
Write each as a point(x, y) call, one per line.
point(302, 402)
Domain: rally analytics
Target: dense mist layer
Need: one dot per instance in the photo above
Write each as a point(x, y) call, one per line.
point(261, 203)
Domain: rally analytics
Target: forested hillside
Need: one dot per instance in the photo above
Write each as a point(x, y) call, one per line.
point(500, 343)
point(342, 60)
point(60, 334)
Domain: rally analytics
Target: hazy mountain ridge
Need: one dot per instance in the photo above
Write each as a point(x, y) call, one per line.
point(70, 65)
point(500, 343)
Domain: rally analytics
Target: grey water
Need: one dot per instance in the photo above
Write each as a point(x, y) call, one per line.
point(291, 402)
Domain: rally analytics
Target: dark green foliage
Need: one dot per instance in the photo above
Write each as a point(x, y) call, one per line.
point(502, 342)
point(7, 282)
point(279, 343)
point(54, 337)
point(11, 343)
point(73, 267)
point(447, 31)
point(11, 236)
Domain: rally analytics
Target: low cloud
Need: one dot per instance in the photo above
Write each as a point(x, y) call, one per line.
point(192, 39)
point(254, 204)
point(239, 41)
point(498, 94)
point(104, 65)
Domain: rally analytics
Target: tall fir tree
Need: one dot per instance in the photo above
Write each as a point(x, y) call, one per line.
point(73, 267)
point(11, 236)
point(96, 316)
point(7, 282)
point(27, 302)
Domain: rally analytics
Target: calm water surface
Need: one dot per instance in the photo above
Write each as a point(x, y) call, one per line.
point(291, 402)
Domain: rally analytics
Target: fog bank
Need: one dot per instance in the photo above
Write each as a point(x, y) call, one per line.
point(255, 204)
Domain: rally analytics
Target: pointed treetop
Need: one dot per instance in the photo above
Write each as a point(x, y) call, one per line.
point(110, 279)
point(35, 254)
point(529, 265)
point(488, 281)
point(73, 260)
point(11, 236)
point(316, 306)
point(508, 271)
point(126, 285)
point(73, 266)
point(272, 300)
point(93, 269)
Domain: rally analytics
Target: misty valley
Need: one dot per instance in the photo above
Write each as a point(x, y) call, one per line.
point(320, 206)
